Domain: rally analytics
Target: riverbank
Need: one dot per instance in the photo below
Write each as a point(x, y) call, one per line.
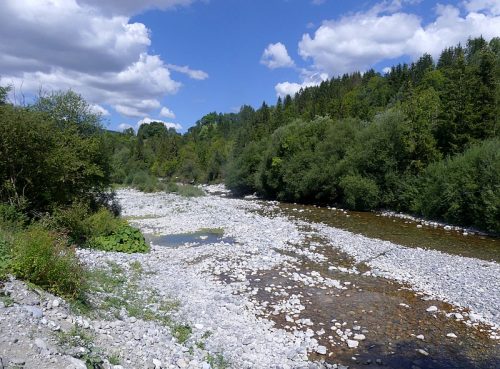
point(246, 285)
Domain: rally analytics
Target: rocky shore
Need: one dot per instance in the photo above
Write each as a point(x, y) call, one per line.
point(235, 289)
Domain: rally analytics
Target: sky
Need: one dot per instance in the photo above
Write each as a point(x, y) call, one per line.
point(176, 60)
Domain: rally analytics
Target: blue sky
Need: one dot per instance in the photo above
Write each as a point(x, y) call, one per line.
point(176, 60)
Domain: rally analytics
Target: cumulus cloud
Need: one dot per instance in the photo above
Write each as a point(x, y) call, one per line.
point(276, 56)
point(167, 113)
point(191, 73)
point(59, 45)
point(358, 41)
point(124, 126)
point(148, 120)
point(98, 109)
point(490, 6)
point(309, 79)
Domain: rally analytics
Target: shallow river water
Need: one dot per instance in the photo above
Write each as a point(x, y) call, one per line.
point(390, 315)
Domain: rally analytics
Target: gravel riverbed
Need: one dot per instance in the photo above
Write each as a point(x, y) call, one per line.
point(216, 276)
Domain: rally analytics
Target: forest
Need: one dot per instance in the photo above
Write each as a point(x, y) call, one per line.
point(422, 139)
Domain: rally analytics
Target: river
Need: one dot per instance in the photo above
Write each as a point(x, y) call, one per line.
point(344, 288)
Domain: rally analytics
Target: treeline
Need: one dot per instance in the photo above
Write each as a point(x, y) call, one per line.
point(423, 138)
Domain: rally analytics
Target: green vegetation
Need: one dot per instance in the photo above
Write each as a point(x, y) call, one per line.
point(79, 343)
point(43, 258)
point(55, 176)
point(217, 361)
point(363, 141)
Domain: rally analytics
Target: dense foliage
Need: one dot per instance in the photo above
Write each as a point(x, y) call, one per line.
point(55, 176)
point(420, 139)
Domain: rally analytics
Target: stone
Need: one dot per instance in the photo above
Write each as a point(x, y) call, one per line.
point(56, 303)
point(42, 346)
point(359, 337)
point(421, 337)
point(451, 335)
point(321, 350)
point(422, 352)
point(157, 363)
point(432, 309)
point(352, 343)
point(76, 364)
point(34, 311)
point(18, 361)
point(181, 363)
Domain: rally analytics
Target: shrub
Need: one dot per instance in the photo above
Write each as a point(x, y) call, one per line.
point(5, 252)
point(464, 189)
point(102, 223)
point(44, 258)
point(124, 239)
point(190, 191)
point(360, 193)
point(11, 217)
point(72, 220)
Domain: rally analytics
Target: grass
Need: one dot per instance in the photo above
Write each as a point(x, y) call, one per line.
point(114, 359)
point(215, 231)
point(78, 338)
point(7, 300)
point(217, 361)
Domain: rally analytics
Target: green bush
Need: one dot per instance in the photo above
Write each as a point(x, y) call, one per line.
point(359, 193)
point(124, 239)
point(73, 221)
point(11, 217)
point(44, 258)
point(190, 191)
point(171, 187)
point(464, 189)
point(5, 252)
point(102, 223)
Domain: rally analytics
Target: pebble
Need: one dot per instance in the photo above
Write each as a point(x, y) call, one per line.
point(359, 337)
point(421, 337)
point(432, 309)
point(321, 350)
point(423, 352)
point(451, 335)
point(352, 343)
point(157, 363)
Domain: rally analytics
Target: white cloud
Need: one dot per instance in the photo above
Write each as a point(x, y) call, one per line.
point(148, 120)
point(98, 109)
point(59, 45)
point(191, 73)
point(309, 79)
point(124, 126)
point(358, 41)
point(276, 56)
point(386, 70)
point(167, 113)
point(490, 6)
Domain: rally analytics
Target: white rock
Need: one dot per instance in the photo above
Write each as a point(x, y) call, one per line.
point(432, 309)
point(451, 335)
point(421, 337)
point(352, 343)
point(422, 352)
point(359, 337)
point(157, 363)
point(321, 350)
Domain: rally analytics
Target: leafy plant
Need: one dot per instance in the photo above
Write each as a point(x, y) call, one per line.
point(124, 239)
